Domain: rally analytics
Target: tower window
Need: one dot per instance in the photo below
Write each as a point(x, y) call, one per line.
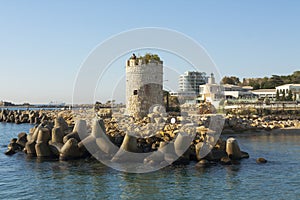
point(135, 92)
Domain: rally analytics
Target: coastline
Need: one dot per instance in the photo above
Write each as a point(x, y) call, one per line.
point(255, 132)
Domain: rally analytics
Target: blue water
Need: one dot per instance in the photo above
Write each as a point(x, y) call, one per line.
point(25, 178)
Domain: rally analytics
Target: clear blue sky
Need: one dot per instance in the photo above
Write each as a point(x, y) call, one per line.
point(43, 43)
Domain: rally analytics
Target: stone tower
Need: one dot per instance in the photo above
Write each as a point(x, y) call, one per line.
point(144, 84)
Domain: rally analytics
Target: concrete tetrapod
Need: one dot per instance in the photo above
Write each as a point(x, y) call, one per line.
point(42, 148)
point(70, 150)
point(128, 151)
point(232, 149)
point(81, 128)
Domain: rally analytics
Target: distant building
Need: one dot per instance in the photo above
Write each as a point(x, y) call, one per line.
point(236, 92)
point(210, 91)
point(213, 91)
point(294, 88)
point(265, 93)
point(190, 81)
point(5, 103)
point(185, 97)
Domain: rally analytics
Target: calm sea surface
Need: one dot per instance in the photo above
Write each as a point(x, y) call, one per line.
point(24, 178)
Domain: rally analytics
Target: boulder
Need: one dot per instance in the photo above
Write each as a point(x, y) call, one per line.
point(184, 159)
point(261, 160)
point(225, 161)
point(245, 154)
point(13, 147)
point(202, 163)
point(215, 155)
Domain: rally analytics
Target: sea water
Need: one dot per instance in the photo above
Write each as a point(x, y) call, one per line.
point(30, 178)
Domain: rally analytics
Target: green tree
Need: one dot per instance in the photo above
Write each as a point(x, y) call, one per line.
point(276, 80)
point(283, 95)
point(277, 95)
point(290, 96)
point(148, 56)
point(232, 80)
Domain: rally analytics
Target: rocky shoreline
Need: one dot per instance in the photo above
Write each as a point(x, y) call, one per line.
point(58, 134)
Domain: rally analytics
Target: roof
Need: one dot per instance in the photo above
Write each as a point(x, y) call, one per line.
point(264, 90)
point(297, 85)
point(230, 86)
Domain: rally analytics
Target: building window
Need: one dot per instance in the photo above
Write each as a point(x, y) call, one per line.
point(135, 92)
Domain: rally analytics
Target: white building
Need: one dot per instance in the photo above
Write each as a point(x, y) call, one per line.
point(265, 93)
point(235, 92)
point(294, 88)
point(190, 81)
point(210, 91)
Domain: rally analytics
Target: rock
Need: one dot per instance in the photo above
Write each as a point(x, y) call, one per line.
point(9, 152)
point(261, 160)
point(70, 150)
point(225, 161)
point(245, 154)
point(184, 159)
point(13, 147)
point(42, 149)
point(232, 149)
point(215, 155)
point(202, 163)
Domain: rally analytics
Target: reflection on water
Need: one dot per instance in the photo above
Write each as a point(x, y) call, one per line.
point(32, 178)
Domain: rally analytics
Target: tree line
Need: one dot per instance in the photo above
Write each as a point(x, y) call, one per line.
point(265, 82)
